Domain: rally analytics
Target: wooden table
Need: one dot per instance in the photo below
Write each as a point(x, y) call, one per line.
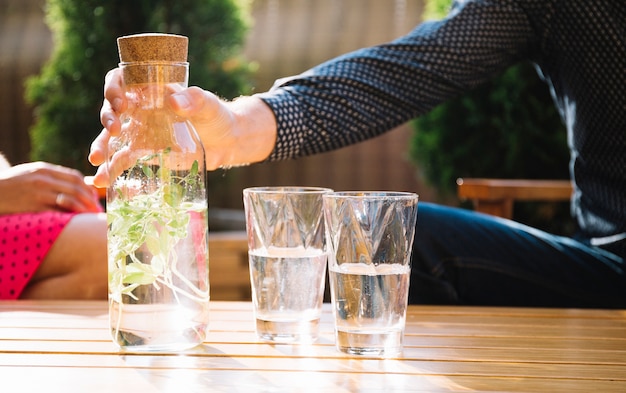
point(64, 346)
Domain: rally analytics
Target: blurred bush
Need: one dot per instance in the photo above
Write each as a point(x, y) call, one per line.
point(67, 94)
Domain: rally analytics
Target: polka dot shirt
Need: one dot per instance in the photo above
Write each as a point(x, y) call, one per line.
point(578, 46)
point(25, 239)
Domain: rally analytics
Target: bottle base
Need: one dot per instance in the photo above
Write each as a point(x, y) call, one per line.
point(171, 342)
point(157, 327)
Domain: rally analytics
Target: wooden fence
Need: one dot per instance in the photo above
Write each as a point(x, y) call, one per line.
point(25, 43)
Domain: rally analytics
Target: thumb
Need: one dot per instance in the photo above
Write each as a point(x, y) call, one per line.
point(211, 118)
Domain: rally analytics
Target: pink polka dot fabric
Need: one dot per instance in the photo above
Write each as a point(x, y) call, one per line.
point(25, 239)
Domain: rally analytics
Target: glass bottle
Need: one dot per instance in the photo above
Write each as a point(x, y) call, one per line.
point(156, 206)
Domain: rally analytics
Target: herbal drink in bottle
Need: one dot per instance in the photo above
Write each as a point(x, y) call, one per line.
point(156, 206)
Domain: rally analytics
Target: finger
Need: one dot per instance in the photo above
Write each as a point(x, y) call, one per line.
point(212, 119)
point(60, 202)
point(70, 202)
point(101, 177)
point(114, 90)
point(97, 154)
point(98, 192)
point(57, 177)
point(56, 200)
point(114, 103)
point(84, 199)
point(69, 181)
point(110, 119)
point(195, 102)
point(121, 161)
point(73, 192)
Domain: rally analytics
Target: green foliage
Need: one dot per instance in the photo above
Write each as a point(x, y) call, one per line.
point(506, 128)
point(436, 9)
point(67, 94)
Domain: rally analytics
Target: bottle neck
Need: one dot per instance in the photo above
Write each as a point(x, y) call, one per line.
point(148, 83)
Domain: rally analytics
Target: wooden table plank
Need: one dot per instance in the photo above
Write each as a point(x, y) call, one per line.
point(318, 363)
point(83, 379)
point(328, 351)
point(410, 340)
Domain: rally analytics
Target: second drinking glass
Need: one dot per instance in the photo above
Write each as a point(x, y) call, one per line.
point(370, 237)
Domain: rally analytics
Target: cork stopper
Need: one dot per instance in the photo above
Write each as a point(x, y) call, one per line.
point(151, 47)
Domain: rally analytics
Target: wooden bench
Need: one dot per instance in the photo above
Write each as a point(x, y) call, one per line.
point(496, 196)
point(228, 266)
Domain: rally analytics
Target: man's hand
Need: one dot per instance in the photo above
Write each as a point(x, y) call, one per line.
point(233, 133)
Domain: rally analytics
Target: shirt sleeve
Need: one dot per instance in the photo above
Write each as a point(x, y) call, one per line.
point(367, 92)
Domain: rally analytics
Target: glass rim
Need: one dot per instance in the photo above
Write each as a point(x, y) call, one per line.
point(372, 195)
point(285, 189)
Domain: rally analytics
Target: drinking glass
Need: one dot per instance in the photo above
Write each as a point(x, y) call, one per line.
point(287, 254)
point(369, 236)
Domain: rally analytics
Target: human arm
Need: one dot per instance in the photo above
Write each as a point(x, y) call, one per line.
point(365, 93)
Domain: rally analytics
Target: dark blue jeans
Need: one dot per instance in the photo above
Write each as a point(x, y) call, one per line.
point(463, 257)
